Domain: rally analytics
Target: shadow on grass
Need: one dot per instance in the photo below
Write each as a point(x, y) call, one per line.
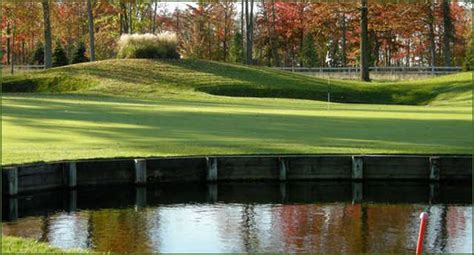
point(177, 127)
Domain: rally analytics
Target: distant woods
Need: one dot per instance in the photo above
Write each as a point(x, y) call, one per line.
point(258, 32)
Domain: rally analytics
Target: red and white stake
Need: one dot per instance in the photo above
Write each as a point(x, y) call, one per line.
point(421, 234)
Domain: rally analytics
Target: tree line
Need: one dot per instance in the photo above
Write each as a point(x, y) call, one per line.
point(260, 32)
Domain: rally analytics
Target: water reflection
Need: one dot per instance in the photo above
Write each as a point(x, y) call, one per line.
point(315, 217)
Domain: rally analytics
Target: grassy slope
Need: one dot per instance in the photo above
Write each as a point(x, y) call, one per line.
point(186, 77)
point(165, 114)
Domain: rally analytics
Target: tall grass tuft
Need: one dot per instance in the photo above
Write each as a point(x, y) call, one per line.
point(160, 46)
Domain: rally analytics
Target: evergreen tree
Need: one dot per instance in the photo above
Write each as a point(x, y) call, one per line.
point(237, 50)
point(38, 56)
point(468, 64)
point(59, 55)
point(308, 52)
point(79, 54)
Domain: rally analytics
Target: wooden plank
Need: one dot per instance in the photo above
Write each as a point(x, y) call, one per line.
point(103, 172)
point(396, 167)
point(40, 177)
point(455, 168)
point(248, 168)
point(319, 167)
point(176, 169)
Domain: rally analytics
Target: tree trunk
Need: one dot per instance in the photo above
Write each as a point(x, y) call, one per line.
point(242, 24)
point(155, 8)
point(13, 50)
point(344, 40)
point(431, 35)
point(448, 30)
point(364, 42)
point(270, 34)
point(226, 7)
point(249, 30)
point(124, 29)
point(47, 35)
point(130, 18)
point(91, 30)
point(301, 35)
point(276, 57)
point(9, 46)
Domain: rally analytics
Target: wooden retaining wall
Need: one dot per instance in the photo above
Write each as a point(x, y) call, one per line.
point(33, 177)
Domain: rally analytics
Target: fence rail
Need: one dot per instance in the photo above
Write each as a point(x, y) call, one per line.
point(428, 70)
point(21, 68)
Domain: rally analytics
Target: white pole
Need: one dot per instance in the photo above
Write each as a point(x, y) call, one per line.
point(329, 94)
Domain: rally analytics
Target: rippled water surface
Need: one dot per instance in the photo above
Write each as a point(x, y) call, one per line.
point(302, 217)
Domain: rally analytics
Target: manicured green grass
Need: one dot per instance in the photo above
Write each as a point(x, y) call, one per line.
point(53, 127)
point(12, 244)
point(140, 78)
point(132, 108)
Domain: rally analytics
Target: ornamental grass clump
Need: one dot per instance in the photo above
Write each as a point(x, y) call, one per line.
point(160, 46)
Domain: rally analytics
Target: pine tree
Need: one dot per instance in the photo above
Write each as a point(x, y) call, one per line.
point(237, 50)
point(468, 64)
point(308, 52)
point(38, 56)
point(79, 54)
point(59, 55)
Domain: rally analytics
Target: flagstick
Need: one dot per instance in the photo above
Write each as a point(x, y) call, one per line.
point(329, 94)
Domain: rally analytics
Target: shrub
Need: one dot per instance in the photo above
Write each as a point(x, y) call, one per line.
point(468, 64)
point(38, 56)
point(237, 49)
point(309, 51)
point(79, 54)
point(59, 55)
point(161, 46)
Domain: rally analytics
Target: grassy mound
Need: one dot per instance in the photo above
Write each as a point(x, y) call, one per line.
point(138, 77)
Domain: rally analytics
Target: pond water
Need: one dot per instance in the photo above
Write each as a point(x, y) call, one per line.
point(327, 217)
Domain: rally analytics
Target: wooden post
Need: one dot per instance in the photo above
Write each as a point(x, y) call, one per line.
point(12, 181)
point(283, 169)
point(211, 169)
point(434, 169)
point(140, 171)
point(71, 174)
point(357, 168)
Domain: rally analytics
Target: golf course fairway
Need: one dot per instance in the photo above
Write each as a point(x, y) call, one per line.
point(85, 111)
